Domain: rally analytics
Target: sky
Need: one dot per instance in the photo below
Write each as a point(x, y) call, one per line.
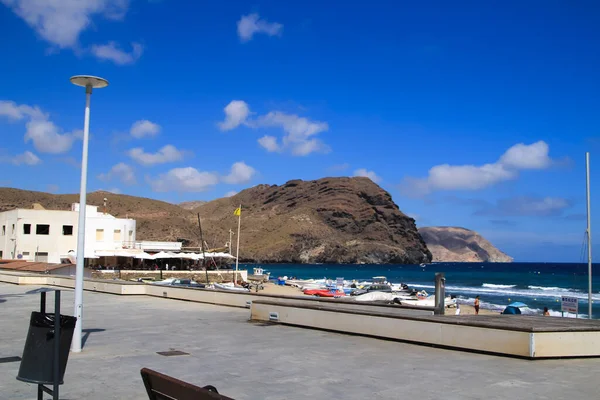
point(472, 114)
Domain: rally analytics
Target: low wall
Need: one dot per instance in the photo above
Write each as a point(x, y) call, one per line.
point(198, 276)
point(435, 331)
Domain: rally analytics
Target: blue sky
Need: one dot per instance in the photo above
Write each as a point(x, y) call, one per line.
point(469, 114)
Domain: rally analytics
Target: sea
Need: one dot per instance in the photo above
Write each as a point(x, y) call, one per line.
point(538, 285)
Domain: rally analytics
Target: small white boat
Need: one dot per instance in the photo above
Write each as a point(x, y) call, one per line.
point(428, 302)
point(259, 274)
point(230, 286)
point(376, 296)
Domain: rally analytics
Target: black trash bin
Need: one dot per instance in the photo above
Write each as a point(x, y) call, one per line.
point(37, 362)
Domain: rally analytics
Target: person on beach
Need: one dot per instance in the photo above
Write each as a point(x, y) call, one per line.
point(476, 305)
point(546, 312)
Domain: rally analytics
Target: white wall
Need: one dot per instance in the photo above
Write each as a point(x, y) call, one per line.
point(56, 244)
point(108, 239)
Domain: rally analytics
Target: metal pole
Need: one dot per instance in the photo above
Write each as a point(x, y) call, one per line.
point(202, 247)
point(237, 255)
point(76, 346)
point(56, 368)
point(589, 234)
point(440, 294)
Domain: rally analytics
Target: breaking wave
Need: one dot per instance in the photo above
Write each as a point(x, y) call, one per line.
point(494, 286)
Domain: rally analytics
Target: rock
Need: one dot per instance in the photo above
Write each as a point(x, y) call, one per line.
point(453, 244)
point(330, 220)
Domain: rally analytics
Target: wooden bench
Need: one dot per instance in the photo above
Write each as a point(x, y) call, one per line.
point(163, 387)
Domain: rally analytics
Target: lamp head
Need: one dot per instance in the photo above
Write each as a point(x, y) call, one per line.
point(86, 81)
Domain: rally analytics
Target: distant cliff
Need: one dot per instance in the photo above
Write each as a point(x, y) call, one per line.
point(453, 244)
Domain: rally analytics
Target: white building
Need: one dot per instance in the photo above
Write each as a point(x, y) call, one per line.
point(49, 235)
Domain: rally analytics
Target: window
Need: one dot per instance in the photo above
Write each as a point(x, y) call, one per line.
point(68, 230)
point(27, 229)
point(41, 229)
point(13, 229)
point(41, 256)
point(0, 254)
point(99, 235)
point(3, 230)
point(130, 236)
point(117, 235)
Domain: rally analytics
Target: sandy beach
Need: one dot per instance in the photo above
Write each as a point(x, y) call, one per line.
point(271, 288)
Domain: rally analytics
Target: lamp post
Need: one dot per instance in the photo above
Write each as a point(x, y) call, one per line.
point(89, 83)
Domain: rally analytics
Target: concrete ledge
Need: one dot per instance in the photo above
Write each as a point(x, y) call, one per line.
point(447, 332)
point(520, 336)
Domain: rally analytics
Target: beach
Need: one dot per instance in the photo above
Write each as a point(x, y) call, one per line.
point(271, 288)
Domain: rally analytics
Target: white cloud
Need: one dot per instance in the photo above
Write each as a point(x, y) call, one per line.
point(367, 174)
point(168, 153)
point(299, 132)
point(143, 128)
point(476, 177)
point(52, 188)
point(16, 112)
point(526, 206)
point(251, 24)
point(236, 113)
point(120, 171)
point(240, 173)
point(60, 22)
point(114, 191)
point(26, 158)
point(187, 179)
point(230, 193)
point(112, 52)
point(45, 135)
point(269, 143)
point(522, 156)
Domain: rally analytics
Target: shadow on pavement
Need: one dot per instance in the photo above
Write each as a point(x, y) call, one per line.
point(87, 333)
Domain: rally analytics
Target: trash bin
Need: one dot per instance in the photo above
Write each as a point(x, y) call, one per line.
point(37, 362)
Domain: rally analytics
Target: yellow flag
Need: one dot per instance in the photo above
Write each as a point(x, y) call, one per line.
point(238, 212)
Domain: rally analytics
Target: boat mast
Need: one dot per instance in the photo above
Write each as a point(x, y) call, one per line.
point(589, 234)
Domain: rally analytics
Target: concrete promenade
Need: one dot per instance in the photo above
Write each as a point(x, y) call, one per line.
point(254, 361)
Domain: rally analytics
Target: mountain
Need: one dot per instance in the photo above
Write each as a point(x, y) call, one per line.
point(330, 220)
point(190, 205)
point(453, 244)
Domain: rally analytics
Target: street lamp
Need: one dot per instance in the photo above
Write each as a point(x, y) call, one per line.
point(89, 83)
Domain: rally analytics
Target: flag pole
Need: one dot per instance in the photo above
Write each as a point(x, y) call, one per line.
point(237, 256)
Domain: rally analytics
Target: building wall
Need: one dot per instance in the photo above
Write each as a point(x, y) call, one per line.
point(35, 246)
point(57, 243)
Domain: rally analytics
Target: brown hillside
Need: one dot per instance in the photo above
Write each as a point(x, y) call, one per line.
point(330, 220)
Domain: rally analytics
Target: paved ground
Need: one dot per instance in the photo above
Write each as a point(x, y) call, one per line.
point(250, 361)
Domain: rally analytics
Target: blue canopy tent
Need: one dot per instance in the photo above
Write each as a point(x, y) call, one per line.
point(514, 308)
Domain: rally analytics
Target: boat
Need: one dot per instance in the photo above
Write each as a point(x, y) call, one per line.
point(324, 292)
point(179, 282)
point(259, 274)
point(428, 301)
point(230, 286)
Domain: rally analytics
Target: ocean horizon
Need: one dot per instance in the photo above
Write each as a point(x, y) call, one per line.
point(538, 285)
